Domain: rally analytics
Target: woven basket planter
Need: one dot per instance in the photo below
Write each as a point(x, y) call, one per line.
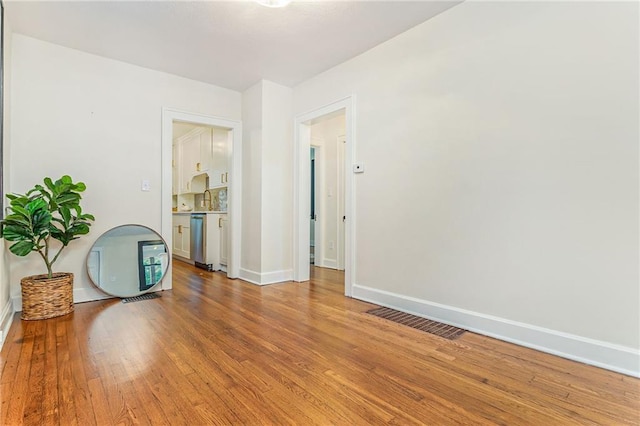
point(44, 297)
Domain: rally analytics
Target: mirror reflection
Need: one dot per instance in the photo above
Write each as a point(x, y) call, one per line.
point(128, 260)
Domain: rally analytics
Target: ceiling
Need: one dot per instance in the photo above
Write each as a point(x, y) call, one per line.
point(232, 44)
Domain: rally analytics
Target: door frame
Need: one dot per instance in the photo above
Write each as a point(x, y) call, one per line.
point(340, 245)
point(234, 192)
point(301, 214)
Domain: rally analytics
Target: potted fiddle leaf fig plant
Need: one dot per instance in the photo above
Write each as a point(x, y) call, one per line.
point(46, 213)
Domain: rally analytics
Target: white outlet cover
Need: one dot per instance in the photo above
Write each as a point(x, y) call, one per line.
point(146, 185)
point(358, 168)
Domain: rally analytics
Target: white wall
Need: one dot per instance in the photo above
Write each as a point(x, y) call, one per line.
point(98, 120)
point(500, 144)
point(251, 177)
point(277, 182)
point(267, 177)
point(325, 134)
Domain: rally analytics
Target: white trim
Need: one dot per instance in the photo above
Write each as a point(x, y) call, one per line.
point(301, 271)
point(606, 355)
point(340, 238)
point(89, 294)
point(265, 278)
point(329, 263)
point(250, 276)
point(6, 319)
point(235, 182)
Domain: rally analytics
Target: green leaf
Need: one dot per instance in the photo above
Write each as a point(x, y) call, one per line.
point(66, 179)
point(36, 205)
point(79, 229)
point(19, 200)
point(66, 215)
point(16, 233)
point(67, 198)
point(22, 248)
point(41, 221)
point(49, 183)
point(17, 220)
point(21, 211)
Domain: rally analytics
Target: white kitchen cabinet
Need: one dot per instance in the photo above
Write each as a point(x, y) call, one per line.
point(189, 157)
point(218, 178)
point(224, 239)
point(219, 173)
point(182, 235)
point(206, 150)
point(194, 157)
point(213, 241)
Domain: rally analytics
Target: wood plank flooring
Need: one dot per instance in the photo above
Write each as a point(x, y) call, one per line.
point(218, 351)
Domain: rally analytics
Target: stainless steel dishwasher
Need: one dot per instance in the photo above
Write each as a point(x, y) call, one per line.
point(199, 241)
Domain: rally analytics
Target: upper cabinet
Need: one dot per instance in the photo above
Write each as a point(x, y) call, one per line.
point(201, 150)
point(189, 160)
point(206, 150)
point(219, 172)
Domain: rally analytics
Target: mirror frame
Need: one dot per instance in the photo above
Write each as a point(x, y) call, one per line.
point(156, 239)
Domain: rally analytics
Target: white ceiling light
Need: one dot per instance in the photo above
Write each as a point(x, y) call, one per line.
point(274, 3)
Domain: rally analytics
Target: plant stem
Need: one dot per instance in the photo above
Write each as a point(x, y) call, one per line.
point(54, 259)
point(46, 261)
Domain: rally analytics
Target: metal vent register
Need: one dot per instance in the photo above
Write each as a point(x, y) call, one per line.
point(446, 331)
point(142, 297)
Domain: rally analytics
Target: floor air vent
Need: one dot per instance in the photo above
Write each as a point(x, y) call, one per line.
point(439, 329)
point(139, 298)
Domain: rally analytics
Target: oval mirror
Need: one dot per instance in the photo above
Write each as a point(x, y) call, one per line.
point(128, 260)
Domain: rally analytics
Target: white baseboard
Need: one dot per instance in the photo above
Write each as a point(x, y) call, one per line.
point(606, 355)
point(6, 318)
point(80, 295)
point(89, 294)
point(265, 278)
point(329, 263)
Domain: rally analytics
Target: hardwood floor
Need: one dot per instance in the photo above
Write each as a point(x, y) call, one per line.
point(218, 351)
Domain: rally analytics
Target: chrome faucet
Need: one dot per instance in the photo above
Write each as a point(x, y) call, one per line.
point(208, 203)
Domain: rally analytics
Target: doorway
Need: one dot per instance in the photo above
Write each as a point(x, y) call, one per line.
point(339, 251)
point(234, 178)
point(326, 189)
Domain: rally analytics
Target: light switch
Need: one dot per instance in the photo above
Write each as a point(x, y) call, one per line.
point(146, 185)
